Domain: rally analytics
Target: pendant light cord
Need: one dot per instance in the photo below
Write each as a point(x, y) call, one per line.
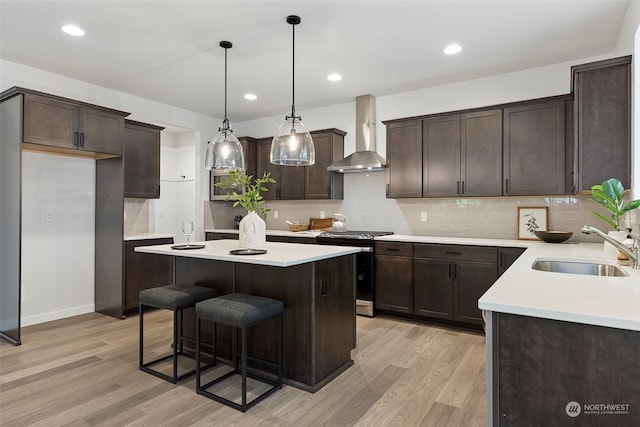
point(293, 73)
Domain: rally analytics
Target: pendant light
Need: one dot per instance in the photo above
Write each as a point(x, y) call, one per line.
point(292, 145)
point(224, 151)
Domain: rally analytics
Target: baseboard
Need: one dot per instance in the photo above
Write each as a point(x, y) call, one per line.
point(55, 315)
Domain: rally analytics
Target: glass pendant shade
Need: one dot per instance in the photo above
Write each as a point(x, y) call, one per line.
point(292, 145)
point(224, 152)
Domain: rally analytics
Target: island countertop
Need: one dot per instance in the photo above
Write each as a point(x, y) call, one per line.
point(278, 254)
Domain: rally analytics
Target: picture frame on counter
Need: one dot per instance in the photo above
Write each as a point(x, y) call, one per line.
point(530, 219)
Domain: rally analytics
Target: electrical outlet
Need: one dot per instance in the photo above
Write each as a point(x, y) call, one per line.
point(321, 214)
point(423, 216)
point(48, 216)
point(275, 214)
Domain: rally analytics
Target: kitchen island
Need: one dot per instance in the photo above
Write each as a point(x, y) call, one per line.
point(316, 284)
point(563, 346)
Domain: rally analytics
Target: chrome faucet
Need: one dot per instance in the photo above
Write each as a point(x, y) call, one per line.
point(631, 253)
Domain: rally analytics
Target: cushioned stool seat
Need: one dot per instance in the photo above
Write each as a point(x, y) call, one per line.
point(175, 298)
point(239, 311)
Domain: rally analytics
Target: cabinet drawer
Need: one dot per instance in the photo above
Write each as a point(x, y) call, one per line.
point(394, 248)
point(456, 252)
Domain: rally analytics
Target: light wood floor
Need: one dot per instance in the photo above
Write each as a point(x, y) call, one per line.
point(82, 371)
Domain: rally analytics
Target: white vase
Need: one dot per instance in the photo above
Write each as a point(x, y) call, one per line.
point(253, 232)
point(610, 251)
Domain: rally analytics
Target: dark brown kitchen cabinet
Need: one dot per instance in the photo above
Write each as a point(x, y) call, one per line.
point(305, 182)
point(393, 277)
point(534, 149)
point(462, 154)
point(404, 158)
point(249, 147)
point(441, 156)
point(506, 257)
point(144, 271)
point(318, 182)
point(289, 179)
point(141, 160)
point(602, 122)
point(57, 124)
point(542, 365)
point(213, 235)
point(448, 280)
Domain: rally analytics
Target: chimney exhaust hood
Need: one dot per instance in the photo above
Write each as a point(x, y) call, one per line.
point(365, 158)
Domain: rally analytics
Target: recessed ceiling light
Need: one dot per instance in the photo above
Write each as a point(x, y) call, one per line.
point(334, 77)
point(452, 49)
point(73, 30)
point(250, 97)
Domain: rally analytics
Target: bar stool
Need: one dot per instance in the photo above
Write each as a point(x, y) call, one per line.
point(175, 298)
point(239, 311)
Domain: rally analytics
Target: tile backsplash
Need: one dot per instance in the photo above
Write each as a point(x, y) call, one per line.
point(136, 216)
point(366, 207)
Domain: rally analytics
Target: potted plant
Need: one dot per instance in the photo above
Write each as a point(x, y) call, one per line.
point(610, 195)
point(246, 193)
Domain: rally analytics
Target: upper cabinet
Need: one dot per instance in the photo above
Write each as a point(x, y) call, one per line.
point(305, 182)
point(57, 124)
point(318, 182)
point(249, 147)
point(404, 158)
point(462, 155)
point(141, 160)
point(602, 117)
point(534, 149)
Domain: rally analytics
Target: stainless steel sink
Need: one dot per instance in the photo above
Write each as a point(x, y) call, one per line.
point(579, 267)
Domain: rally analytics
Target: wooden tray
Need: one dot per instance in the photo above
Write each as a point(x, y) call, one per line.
point(320, 223)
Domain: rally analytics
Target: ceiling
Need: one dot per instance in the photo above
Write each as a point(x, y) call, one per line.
point(168, 50)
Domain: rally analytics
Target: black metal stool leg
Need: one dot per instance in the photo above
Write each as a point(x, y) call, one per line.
point(141, 337)
point(197, 353)
point(244, 368)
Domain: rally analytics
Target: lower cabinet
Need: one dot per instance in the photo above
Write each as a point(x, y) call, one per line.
point(144, 271)
point(435, 281)
point(394, 276)
point(448, 280)
point(506, 257)
point(214, 235)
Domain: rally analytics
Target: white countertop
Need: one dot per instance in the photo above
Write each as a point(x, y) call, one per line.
point(309, 233)
point(148, 236)
point(278, 254)
point(604, 301)
point(457, 240)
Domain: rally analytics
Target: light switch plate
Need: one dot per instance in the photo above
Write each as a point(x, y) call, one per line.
point(48, 216)
point(423, 216)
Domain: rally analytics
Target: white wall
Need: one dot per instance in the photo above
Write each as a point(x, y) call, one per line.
point(58, 253)
point(177, 186)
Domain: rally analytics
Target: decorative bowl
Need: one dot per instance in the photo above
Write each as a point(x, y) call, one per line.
point(553, 236)
point(298, 227)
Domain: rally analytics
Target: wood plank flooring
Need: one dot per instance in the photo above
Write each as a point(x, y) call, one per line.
point(83, 371)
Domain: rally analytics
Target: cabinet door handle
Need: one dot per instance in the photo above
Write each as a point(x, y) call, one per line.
point(455, 271)
point(81, 139)
point(450, 270)
point(458, 187)
point(393, 249)
point(462, 190)
point(572, 181)
point(506, 187)
point(75, 139)
point(453, 253)
point(387, 190)
point(501, 260)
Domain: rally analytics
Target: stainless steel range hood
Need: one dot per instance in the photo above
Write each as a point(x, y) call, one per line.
point(365, 158)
